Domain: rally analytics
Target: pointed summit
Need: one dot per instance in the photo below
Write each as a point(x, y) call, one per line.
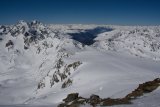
point(22, 22)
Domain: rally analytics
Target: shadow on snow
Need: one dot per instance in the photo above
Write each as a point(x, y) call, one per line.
point(87, 37)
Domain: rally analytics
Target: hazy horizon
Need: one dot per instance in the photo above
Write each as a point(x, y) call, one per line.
point(110, 12)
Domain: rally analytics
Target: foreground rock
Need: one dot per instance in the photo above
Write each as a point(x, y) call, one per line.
point(118, 101)
point(94, 100)
point(74, 100)
point(146, 87)
point(71, 97)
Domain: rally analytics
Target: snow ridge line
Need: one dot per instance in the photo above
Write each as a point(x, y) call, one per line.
point(73, 100)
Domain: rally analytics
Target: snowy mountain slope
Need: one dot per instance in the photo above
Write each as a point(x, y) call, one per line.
point(106, 74)
point(138, 41)
point(40, 64)
point(29, 52)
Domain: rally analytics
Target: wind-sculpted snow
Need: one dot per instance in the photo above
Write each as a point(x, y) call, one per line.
point(40, 64)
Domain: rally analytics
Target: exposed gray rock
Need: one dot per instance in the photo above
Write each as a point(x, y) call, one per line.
point(67, 83)
point(9, 44)
point(71, 97)
point(73, 100)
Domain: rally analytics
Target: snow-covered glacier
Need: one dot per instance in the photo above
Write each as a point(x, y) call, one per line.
point(41, 63)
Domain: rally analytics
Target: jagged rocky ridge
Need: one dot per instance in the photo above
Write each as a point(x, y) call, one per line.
point(61, 73)
point(138, 41)
point(40, 40)
point(74, 100)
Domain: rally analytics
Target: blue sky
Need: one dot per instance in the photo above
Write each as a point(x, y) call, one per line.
point(119, 12)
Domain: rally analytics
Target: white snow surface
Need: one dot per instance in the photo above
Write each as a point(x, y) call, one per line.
point(112, 66)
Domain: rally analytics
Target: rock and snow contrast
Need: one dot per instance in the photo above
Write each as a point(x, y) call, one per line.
point(41, 64)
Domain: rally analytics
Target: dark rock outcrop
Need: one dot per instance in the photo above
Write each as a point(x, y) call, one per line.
point(67, 83)
point(9, 43)
point(41, 85)
point(144, 88)
point(73, 100)
point(60, 75)
point(94, 100)
point(118, 101)
point(71, 97)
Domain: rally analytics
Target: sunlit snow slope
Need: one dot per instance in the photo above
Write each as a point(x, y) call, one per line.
point(40, 64)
